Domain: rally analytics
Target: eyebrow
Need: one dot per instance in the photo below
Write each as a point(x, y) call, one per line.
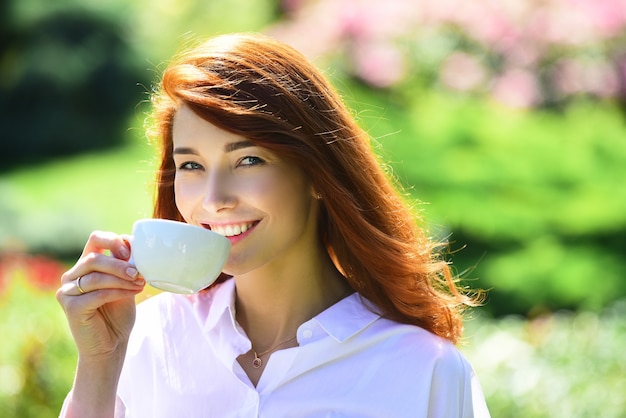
point(234, 146)
point(230, 147)
point(185, 150)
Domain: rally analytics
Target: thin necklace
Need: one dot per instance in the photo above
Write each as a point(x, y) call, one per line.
point(257, 362)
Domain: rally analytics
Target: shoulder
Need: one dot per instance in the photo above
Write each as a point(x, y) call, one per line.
point(390, 347)
point(427, 365)
point(355, 323)
point(407, 365)
point(413, 345)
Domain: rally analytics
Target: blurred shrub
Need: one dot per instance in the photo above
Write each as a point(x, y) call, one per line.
point(69, 82)
point(536, 198)
point(40, 227)
point(37, 357)
point(561, 365)
point(522, 53)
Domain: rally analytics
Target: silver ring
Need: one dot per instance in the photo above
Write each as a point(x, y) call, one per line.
point(80, 289)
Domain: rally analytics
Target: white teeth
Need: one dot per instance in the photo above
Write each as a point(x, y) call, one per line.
point(231, 230)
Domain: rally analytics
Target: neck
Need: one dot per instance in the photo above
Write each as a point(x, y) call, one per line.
point(273, 302)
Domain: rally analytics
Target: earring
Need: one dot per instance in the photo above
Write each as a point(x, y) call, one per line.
point(317, 196)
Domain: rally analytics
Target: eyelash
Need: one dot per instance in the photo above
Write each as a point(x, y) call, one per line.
point(186, 166)
point(252, 161)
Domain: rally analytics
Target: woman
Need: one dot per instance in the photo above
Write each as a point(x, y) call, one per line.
point(332, 302)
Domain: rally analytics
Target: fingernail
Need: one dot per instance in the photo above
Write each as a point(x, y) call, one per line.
point(131, 272)
point(139, 282)
point(124, 252)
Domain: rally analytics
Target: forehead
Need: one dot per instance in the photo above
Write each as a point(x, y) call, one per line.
point(190, 129)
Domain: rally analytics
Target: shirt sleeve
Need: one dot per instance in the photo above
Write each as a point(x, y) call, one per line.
point(455, 389)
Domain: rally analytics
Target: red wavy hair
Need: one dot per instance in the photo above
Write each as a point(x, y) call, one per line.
point(264, 90)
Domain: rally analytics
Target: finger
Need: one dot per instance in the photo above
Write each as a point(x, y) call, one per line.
point(90, 301)
point(96, 281)
point(95, 262)
point(125, 250)
point(101, 241)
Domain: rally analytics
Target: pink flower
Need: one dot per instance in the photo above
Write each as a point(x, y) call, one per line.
point(606, 18)
point(368, 20)
point(379, 64)
point(520, 36)
point(517, 88)
point(463, 72)
point(573, 76)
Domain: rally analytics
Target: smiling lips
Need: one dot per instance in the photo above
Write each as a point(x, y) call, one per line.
point(231, 230)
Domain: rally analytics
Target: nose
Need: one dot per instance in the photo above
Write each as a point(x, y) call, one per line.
point(218, 192)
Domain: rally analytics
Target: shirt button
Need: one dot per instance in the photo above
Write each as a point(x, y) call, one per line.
point(307, 333)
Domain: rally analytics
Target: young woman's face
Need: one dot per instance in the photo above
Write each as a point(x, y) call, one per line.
point(262, 203)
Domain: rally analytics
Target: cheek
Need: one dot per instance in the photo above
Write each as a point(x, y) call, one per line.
point(185, 196)
point(286, 193)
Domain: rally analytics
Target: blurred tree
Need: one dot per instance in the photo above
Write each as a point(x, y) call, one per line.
point(68, 84)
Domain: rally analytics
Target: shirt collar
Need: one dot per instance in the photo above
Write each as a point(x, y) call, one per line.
point(341, 321)
point(347, 317)
point(221, 302)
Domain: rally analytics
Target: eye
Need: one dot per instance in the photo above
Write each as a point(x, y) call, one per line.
point(190, 166)
point(251, 161)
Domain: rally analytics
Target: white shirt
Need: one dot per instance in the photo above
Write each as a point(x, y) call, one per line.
point(350, 362)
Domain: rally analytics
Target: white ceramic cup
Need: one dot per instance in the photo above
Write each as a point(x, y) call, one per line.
point(177, 257)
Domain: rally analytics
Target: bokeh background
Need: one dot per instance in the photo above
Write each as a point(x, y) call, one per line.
point(505, 120)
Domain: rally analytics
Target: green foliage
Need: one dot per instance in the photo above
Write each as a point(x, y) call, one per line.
point(37, 356)
point(52, 208)
point(72, 71)
point(560, 365)
point(535, 197)
point(69, 82)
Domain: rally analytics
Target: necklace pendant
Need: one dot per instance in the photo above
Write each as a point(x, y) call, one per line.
point(257, 362)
